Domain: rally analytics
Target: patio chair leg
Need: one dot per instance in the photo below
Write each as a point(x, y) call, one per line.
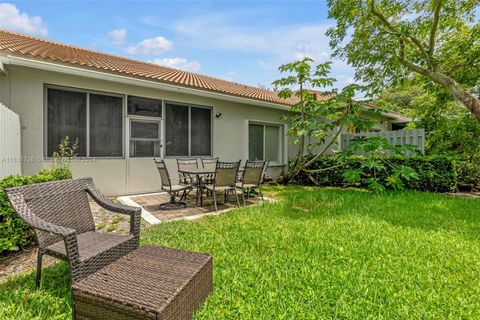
point(261, 192)
point(39, 269)
point(243, 196)
point(236, 197)
point(215, 199)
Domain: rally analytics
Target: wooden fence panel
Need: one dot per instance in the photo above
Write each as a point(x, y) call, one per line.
point(404, 137)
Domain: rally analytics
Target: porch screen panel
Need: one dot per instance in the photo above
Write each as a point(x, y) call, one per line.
point(255, 142)
point(106, 134)
point(176, 134)
point(66, 116)
point(201, 131)
point(272, 143)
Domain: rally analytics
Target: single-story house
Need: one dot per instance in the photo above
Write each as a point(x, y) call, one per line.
point(126, 112)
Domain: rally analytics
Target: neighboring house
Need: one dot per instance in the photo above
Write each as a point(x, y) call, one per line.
point(126, 112)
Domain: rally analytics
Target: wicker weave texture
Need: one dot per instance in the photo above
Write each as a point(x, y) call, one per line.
point(148, 283)
point(60, 215)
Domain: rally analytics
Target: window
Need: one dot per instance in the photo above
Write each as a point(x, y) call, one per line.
point(106, 126)
point(139, 106)
point(188, 130)
point(265, 142)
point(145, 126)
point(144, 138)
point(95, 119)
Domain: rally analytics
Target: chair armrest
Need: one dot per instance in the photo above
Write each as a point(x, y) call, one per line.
point(135, 213)
point(40, 224)
point(69, 237)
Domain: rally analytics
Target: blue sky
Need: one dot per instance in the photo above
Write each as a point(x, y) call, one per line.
point(241, 41)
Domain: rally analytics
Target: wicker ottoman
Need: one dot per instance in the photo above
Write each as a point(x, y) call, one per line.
point(148, 283)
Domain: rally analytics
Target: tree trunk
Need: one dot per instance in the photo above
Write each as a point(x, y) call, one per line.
point(466, 98)
point(301, 142)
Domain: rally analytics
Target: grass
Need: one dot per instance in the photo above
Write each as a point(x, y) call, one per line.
point(315, 254)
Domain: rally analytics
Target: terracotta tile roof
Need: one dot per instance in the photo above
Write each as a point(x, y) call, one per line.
point(15, 44)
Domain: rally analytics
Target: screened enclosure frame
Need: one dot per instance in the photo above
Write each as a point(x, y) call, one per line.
point(87, 93)
point(282, 140)
point(141, 118)
point(189, 106)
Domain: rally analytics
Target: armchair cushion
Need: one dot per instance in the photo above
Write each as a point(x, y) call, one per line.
point(90, 244)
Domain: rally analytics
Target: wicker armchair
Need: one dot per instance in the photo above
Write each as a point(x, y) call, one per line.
point(224, 181)
point(60, 214)
point(172, 189)
point(252, 177)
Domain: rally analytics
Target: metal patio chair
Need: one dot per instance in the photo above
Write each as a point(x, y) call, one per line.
point(209, 163)
point(187, 164)
point(224, 181)
point(172, 189)
point(252, 178)
point(59, 212)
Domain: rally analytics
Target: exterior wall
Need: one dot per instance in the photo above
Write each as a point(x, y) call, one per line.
point(128, 175)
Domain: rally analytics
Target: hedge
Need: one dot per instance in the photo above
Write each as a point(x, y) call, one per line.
point(435, 173)
point(14, 233)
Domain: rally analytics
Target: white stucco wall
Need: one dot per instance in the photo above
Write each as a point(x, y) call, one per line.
point(123, 176)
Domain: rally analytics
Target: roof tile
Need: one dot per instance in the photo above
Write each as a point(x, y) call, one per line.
point(22, 45)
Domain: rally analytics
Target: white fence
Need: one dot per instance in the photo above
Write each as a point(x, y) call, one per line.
point(10, 161)
point(404, 137)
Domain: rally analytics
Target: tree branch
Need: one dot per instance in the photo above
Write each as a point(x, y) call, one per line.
point(394, 30)
point(433, 31)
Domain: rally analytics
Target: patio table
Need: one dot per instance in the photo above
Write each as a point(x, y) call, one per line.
point(199, 173)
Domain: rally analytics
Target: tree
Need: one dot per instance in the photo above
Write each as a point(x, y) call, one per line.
point(450, 129)
point(317, 123)
point(388, 40)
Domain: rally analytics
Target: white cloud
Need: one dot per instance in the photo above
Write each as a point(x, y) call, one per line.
point(228, 76)
point(178, 63)
point(117, 36)
point(151, 47)
point(218, 31)
point(12, 19)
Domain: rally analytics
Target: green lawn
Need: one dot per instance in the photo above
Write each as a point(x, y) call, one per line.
point(316, 254)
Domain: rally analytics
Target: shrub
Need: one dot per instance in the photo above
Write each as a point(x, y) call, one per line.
point(432, 173)
point(468, 172)
point(14, 233)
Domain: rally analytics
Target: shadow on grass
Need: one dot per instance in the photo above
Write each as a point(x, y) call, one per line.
point(20, 300)
point(421, 210)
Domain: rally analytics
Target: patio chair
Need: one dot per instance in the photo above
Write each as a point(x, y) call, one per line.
point(252, 178)
point(172, 189)
point(224, 181)
point(59, 212)
point(186, 164)
point(209, 163)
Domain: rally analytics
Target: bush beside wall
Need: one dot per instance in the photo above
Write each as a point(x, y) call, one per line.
point(436, 173)
point(14, 233)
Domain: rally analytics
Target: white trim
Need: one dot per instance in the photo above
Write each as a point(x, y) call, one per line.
point(3, 70)
point(146, 215)
point(135, 81)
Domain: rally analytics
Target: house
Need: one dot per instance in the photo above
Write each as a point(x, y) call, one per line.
point(125, 112)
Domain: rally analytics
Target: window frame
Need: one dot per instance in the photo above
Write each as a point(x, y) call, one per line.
point(144, 97)
point(190, 106)
point(87, 121)
point(155, 120)
point(132, 117)
point(281, 140)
